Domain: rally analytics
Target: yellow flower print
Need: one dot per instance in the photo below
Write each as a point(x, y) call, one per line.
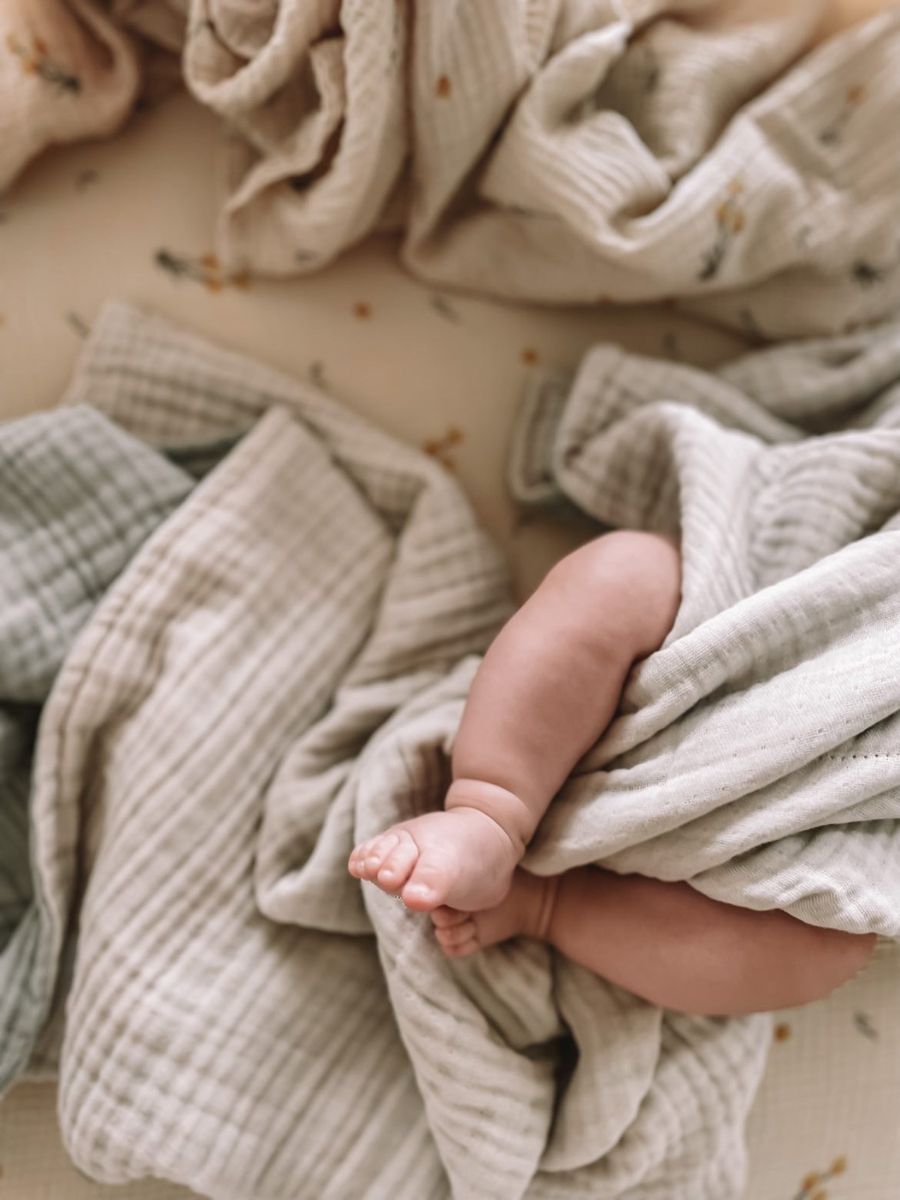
point(205, 269)
point(441, 448)
point(811, 1189)
point(854, 96)
point(730, 221)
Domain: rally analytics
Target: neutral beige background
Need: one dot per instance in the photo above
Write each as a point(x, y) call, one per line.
point(442, 372)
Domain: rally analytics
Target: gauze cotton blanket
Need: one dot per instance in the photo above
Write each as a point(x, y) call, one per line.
point(280, 671)
point(756, 753)
point(552, 150)
point(78, 496)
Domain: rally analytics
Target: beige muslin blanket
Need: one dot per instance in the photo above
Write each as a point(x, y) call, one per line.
point(552, 150)
point(280, 671)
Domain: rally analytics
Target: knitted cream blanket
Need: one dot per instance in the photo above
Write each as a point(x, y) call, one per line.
point(554, 150)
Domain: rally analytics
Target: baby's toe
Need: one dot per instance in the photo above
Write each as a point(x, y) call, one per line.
point(461, 949)
point(357, 859)
point(443, 918)
point(374, 852)
point(397, 864)
point(453, 936)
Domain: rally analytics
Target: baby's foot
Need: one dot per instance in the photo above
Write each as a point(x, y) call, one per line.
point(461, 858)
point(524, 912)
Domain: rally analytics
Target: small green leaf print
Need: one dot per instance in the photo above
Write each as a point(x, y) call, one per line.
point(35, 59)
point(832, 134)
point(204, 268)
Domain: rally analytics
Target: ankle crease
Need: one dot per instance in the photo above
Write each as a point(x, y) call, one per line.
point(548, 904)
point(515, 845)
point(498, 804)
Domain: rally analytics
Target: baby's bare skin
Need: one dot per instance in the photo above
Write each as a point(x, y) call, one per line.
point(546, 690)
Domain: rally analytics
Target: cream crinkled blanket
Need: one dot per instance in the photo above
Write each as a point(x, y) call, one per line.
point(553, 150)
point(279, 672)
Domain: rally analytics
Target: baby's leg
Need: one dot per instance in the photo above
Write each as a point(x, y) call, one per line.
point(666, 942)
point(546, 690)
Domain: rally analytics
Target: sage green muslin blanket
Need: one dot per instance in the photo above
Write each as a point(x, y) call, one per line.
point(280, 671)
point(78, 496)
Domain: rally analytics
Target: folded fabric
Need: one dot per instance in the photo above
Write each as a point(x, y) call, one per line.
point(280, 671)
point(549, 150)
point(756, 753)
point(78, 496)
point(66, 72)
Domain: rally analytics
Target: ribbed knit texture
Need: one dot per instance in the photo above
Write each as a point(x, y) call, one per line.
point(553, 150)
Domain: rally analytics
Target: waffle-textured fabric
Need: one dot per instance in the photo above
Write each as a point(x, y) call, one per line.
point(551, 150)
point(279, 673)
point(78, 496)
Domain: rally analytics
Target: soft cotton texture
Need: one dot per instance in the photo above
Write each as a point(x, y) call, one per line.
point(66, 73)
point(78, 496)
point(553, 150)
point(755, 754)
point(280, 671)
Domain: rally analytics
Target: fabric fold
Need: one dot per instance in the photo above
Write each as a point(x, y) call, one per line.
point(278, 672)
point(67, 72)
point(78, 497)
point(557, 151)
point(277, 669)
point(755, 753)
